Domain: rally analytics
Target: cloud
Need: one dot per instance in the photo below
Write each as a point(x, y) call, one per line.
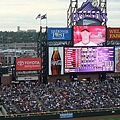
point(22, 13)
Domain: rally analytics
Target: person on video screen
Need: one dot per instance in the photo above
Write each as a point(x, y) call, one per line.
point(85, 39)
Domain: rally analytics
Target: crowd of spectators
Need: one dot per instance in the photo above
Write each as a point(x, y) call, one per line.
point(18, 98)
point(29, 96)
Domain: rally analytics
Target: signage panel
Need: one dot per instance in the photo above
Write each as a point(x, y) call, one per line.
point(113, 33)
point(28, 78)
point(59, 34)
point(28, 64)
point(60, 43)
point(66, 115)
point(89, 11)
point(56, 60)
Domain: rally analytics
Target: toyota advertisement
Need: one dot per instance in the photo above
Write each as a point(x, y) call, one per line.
point(28, 64)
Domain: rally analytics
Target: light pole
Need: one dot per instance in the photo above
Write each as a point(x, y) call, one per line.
point(1, 39)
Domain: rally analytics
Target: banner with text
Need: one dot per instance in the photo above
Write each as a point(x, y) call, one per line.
point(59, 34)
point(113, 33)
point(28, 64)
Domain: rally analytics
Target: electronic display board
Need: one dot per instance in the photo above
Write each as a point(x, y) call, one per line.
point(56, 60)
point(89, 35)
point(89, 59)
point(117, 58)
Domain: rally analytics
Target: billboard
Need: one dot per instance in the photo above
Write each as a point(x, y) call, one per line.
point(89, 59)
point(113, 33)
point(59, 43)
point(56, 60)
point(26, 78)
point(66, 115)
point(59, 34)
point(28, 64)
point(89, 35)
point(117, 58)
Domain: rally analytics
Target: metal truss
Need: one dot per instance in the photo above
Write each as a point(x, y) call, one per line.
point(42, 52)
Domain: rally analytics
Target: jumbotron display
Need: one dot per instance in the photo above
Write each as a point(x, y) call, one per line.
point(89, 35)
point(89, 59)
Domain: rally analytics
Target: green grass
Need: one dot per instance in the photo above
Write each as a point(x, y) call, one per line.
point(104, 119)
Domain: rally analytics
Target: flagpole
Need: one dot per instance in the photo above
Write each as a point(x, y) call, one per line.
point(39, 16)
point(40, 21)
point(15, 49)
point(46, 19)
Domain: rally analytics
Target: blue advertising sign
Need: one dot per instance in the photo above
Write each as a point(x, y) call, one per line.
point(59, 34)
point(66, 115)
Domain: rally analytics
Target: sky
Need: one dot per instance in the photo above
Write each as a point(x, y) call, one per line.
point(22, 13)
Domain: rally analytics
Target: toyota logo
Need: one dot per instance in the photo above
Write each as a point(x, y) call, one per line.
point(20, 63)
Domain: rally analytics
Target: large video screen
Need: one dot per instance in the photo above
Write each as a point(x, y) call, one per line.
point(89, 35)
point(117, 58)
point(56, 60)
point(89, 59)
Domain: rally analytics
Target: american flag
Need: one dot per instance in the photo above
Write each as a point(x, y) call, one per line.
point(38, 16)
point(44, 16)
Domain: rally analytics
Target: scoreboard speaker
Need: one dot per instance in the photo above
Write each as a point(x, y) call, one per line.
point(45, 79)
point(102, 76)
point(0, 80)
point(73, 77)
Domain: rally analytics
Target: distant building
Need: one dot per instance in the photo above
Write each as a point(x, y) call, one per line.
point(31, 30)
point(19, 46)
point(18, 28)
point(9, 55)
point(1, 59)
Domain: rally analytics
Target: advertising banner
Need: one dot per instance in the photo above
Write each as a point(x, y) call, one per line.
point(89, 35)
point(117, 59)
point(56, 60)
point(28, 78)
point(66, 115)
point(28, 64)
point(26, 72)
point(59, 34)
point(113, 33)
point(59, 43)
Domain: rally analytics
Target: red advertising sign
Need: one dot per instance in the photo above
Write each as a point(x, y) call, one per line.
point(113, 33)
point(28, 64)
